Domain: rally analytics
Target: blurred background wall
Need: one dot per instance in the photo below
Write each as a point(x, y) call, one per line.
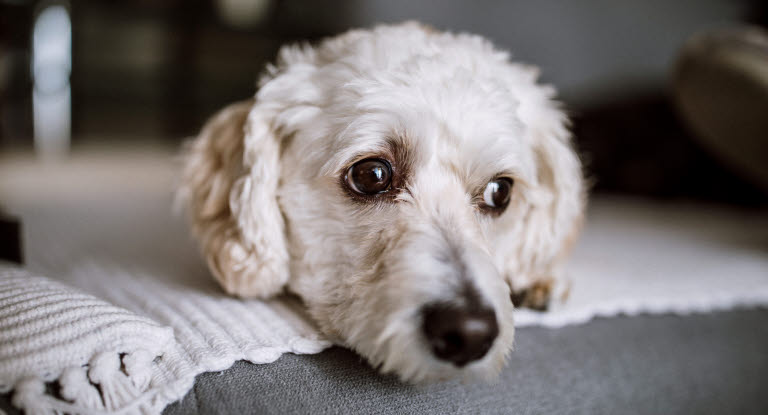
point(143, 72)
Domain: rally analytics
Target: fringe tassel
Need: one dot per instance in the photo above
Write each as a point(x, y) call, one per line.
point(76, 387)
point(138, 367)
point(30, 397)
point(117, 390)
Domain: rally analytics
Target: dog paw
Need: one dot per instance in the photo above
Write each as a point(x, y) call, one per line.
point(536, 297)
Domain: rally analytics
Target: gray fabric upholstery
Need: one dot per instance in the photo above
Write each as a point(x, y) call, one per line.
point(700, 364)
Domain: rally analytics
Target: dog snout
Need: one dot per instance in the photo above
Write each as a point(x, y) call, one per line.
point(459, 334)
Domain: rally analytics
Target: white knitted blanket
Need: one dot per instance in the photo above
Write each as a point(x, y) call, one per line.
point(128, 315)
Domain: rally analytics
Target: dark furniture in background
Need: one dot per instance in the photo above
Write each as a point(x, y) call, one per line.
point(10, 238)
point(145, 71)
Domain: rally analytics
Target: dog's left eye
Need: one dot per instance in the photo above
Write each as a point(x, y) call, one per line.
point(496, 194)
point(369, 177)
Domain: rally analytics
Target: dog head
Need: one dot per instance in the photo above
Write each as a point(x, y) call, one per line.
point(400, 181)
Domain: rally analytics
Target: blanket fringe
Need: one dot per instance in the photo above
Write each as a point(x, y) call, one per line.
point(116, 388)
point(29, 396)
point(110, 383)
point(76, 387)
point(138, 367)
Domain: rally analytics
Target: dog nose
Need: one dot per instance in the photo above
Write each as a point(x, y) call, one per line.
point(459, 334)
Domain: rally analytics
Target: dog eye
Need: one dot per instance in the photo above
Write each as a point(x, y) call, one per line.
point(497, 194)
point(369, 177)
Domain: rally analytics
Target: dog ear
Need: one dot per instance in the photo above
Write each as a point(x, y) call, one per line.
point(230, 182)
point(557, 200)
point(559, 173)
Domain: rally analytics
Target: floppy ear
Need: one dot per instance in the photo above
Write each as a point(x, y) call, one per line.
point(561, 183)
point(559, 174)
point(230, 181)
point(558, 200)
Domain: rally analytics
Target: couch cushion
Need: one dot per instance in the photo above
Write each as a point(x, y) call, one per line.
point(703, 364)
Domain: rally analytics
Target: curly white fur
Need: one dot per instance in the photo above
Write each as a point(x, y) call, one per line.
point(263, 186)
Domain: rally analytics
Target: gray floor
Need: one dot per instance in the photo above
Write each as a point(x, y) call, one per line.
point(700, 364)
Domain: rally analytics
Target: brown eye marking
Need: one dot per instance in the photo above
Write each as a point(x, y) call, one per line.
point(369, 177)
point(379, 176)
point(496, 195)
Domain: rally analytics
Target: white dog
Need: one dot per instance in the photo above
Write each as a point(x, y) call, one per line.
point(404, 183)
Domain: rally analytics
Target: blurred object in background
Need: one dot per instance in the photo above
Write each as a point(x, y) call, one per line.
point(148, 73)
point(721, 88)
point(244, 14)
point(51, 66)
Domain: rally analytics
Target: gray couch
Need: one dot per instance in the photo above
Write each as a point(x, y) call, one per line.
point(700, 364)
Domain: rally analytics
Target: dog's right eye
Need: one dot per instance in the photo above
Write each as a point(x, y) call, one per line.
point(369, 176)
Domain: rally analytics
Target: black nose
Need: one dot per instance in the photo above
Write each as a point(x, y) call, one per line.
point(459, 334)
